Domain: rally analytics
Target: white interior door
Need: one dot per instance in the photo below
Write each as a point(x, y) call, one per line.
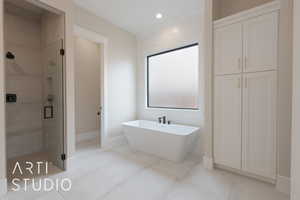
point(260, 43)
point(227, 121)
point(259, 123)
point(228, 49)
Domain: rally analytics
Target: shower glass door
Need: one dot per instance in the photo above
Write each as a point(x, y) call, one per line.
point(54, 103)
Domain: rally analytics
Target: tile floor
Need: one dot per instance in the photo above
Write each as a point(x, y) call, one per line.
point(123, 174)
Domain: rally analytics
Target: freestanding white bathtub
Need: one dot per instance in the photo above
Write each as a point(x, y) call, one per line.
point(172, 142)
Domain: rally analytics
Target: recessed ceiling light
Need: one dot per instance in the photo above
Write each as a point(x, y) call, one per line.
point(159, 16)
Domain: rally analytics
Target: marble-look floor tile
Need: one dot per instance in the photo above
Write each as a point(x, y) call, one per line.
point(25, 194)
point(102, 180)
point(248, 189)
point(179, 170)
point(51, 196)
point(137, 156)
point(184, 191)
point(124, 174)
point(214, 181)
point(147, 185)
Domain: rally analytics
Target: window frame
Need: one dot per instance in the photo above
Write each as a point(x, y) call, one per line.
point(148, 95)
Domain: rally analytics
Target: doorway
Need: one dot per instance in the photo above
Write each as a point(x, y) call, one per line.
point(89, 90)
point(34, 76)
point(87, 93)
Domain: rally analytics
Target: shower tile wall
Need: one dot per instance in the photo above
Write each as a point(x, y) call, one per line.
point(24, 77)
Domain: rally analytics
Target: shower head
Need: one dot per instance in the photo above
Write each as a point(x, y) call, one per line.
point(12, 65)
point(10, 55)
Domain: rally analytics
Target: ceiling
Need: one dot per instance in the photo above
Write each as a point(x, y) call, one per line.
point(138, 16)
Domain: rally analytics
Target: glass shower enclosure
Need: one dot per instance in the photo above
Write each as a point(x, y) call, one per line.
point(54, 103)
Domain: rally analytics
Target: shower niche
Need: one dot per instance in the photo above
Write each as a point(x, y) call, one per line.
point(34, 37)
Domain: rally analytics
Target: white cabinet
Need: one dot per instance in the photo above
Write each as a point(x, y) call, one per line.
point(228, 61)
point(227, 123)
point(248, 46)
point(245, 91)
point(259, 123)
point(260, 43)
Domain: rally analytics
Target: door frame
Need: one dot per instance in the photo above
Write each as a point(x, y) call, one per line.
point(295, 174)
point(103, 42)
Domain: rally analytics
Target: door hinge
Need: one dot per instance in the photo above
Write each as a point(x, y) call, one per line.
point(63, 156)
point(62, 52)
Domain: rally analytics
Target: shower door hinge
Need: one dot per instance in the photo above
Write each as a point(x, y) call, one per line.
point(62, 52)
point(63, 156)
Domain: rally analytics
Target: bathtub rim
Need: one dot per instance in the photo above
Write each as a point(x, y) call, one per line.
point(196, 131)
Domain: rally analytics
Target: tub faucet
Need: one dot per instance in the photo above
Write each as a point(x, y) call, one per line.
point(159, 120)
point(164, 118)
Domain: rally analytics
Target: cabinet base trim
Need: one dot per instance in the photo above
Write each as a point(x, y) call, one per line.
point(283, 184)
point(243, 173)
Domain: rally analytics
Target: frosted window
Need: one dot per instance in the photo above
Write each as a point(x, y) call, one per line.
point(173, 78)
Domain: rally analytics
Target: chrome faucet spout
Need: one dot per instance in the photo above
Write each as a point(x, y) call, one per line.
point(164, 118)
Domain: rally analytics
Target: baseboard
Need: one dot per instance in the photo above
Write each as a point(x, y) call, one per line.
point(283, 184)
point(3, 187)
point(246, 174)
point(115, 141)
point(208, 162)
point(81, 137)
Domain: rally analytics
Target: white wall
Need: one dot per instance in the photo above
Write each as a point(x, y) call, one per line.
point(285, 75)
point(121, 71)
point(185, 32)
point(87, 64)
point(295, 193)
point(206, 60)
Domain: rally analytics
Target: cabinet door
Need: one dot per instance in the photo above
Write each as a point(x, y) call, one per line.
point(228, 49)
point(259, 123)
point(260, 43)
point(227, 121)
